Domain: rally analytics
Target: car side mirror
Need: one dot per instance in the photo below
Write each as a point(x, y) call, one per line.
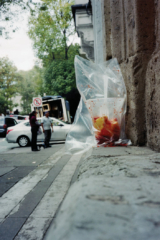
point(60, 125)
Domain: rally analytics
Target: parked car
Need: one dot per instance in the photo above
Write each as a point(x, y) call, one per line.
point(21, 133)
point(5, 123)
point(19, 117)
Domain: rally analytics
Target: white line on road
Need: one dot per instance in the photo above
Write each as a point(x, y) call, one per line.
point(40, 219)
point(16, 194)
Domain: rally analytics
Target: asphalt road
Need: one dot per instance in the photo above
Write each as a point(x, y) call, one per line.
point(6, 147)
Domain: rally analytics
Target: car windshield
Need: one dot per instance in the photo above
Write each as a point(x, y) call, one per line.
point(1, 120)
point(26, 123)
point(55, 122)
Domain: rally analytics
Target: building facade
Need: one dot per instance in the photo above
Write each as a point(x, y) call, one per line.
point(130, 31)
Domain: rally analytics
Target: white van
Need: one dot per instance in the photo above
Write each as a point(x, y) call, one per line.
point(57, 106)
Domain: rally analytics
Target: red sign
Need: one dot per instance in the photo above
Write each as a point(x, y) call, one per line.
point(37, 102)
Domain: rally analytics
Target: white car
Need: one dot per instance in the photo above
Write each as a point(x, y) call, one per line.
point(21, 133)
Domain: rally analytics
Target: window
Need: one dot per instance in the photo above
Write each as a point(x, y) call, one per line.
point(46, 107)
point(15, 122)
point(27, 124)
point(21, 118)
point(56, 123)
point(1, 121)
point(10, 121)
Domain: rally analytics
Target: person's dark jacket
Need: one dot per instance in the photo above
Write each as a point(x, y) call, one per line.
point(33, 121)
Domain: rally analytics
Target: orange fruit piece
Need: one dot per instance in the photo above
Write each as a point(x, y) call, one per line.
point(107, 128)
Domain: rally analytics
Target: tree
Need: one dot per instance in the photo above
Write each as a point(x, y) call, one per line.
point(59, 76)
point(3, 105)
point(38, 78)
point(9, 79)
point(29, 87)
point(50, 27)
point(12, 13)
point(4, 3)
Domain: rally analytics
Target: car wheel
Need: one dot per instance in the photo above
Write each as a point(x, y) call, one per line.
point(23, 141)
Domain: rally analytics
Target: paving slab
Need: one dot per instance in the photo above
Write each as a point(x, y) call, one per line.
point(40, 219)
point(32, 199)
point(16, 174)
point(121, 151)
point(4, 170)
point(12, 226)
point(30, 205)
point(15, 195)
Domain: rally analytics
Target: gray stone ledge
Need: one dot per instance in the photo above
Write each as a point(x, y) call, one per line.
point(114, 198)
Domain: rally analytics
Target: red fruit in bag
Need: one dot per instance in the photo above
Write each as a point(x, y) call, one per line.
point(106, 132)
point(109, 129)
point(115, 128)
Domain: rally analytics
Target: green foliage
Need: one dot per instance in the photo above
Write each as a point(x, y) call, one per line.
point(59, 76)
point(39, 81)
point(12, 14)
point(3, 105)
point(29, 87)
point(49, 28)
point(9, 79)
point(4, 2)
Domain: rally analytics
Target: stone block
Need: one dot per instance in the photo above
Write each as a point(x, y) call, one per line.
point(134, 73)
point(131, 30)
point(153, 102)
point(152, 90)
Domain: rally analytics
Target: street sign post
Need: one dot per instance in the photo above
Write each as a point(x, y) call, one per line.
point(37, 102)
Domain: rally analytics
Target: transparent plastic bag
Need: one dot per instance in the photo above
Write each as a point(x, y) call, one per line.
point(100, 117)
point(39, 132)
point(81, 136)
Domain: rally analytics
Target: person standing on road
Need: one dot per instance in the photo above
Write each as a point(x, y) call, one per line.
point(46, 126)
point(34, 129)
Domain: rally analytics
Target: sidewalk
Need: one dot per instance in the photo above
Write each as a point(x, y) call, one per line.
point(32, 186)
point(116, 197)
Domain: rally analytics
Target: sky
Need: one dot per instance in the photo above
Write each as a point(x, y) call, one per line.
point(19, 48)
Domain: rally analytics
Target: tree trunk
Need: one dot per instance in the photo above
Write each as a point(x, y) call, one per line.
point(66, 47)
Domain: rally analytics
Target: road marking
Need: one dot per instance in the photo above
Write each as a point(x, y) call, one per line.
point(2, 140)
point(16, 194)
point(40, 219)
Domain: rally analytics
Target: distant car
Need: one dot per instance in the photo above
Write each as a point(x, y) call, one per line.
point(19, 117)
point(5, 123)
point(21, 133)
point(23, 117)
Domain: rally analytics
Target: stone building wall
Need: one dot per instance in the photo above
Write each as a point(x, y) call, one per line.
point(153, 88)
point(130, 37)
